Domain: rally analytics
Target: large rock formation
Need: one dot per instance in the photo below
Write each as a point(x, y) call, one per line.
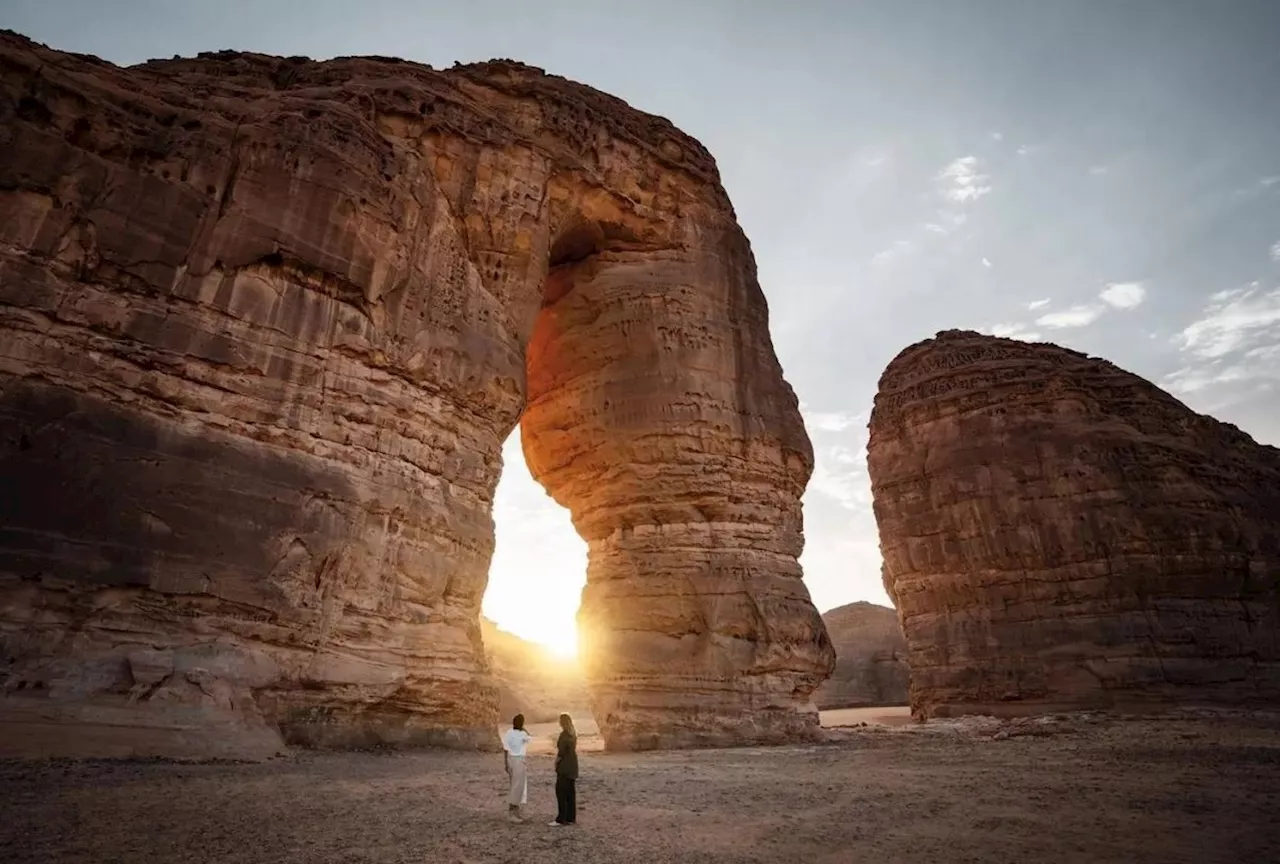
point(871, 658)
point(264, 326)
point(1059, 533)
point(531, 680)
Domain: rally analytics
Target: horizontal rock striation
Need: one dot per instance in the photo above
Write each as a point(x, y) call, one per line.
point(264, 326)
point(871, 658)
point(1059, 533)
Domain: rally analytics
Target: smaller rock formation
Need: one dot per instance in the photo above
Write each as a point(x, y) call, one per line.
point(1059, 533)
point(531, 680)
point(871, 658)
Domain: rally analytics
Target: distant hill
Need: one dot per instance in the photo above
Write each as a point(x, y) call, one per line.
point(871, 658)
point(531, 680)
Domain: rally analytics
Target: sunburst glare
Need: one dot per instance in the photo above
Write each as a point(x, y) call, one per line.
point(539, 562)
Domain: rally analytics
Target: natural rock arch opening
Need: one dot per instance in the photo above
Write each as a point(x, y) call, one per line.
point(271, 341)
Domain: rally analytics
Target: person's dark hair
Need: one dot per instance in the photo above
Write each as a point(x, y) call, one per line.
point(517, 722)
point(566, 723)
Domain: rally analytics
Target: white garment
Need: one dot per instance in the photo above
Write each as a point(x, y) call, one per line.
point(518, 793)
point(515, 741)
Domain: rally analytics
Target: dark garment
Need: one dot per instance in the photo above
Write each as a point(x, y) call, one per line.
point(566, 800)
point(566, 779)
point(567, 756)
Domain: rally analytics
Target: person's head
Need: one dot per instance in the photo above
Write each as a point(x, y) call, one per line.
point(517, 722)
point(566, 723)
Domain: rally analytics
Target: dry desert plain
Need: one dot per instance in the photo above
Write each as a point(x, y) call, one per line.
point(1195, 786)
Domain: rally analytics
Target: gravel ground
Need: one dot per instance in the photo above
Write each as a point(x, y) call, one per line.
point(1196, 788)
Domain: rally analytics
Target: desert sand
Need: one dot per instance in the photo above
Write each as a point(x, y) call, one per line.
point(1192, 787)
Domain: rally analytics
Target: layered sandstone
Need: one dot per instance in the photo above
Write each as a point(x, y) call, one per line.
point(871, 658)
point(264, 326)
point(1058, 532)
point(531, 680)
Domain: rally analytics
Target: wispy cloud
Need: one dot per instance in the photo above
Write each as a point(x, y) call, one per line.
point(1075, 316)
point(1233, 320)
point(1023, 150)
point(1235, 341)
point(1037, 304)
point(997, 136)
point(1097, 170)
point(946, 221)
point(1012, 330)
point(1275, 251)
point(986, 262)
point(839, 473)
point(961, 180)
point(1123, 295)
point(895, 251)
point(831, 421)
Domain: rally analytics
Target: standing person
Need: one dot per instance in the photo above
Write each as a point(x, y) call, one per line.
point(514, 744)
point(566, 773)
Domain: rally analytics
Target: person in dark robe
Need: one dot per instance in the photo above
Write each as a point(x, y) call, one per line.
point(566, 773)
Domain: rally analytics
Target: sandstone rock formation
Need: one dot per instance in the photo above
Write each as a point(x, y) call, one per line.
point(871, 658)
point(530, 680)
point(1059, 533)
point(264, 326)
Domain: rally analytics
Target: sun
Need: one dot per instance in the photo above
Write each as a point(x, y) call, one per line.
point(535, 587)
point(539, 563)
point(550, 627)
point(563, 645)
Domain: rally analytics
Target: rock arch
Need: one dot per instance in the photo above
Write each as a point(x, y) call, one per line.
point(266, 326)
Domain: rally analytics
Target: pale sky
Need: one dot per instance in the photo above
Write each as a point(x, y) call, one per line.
point(1103, 174)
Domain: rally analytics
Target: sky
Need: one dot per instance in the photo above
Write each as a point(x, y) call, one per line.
point(1102, 174)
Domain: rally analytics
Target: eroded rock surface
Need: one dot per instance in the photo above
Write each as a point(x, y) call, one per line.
point(263, 331)
point(1058, 532)
point(871, 658)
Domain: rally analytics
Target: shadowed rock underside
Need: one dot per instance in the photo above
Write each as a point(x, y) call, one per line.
point(264, 326)
point(1059, 533)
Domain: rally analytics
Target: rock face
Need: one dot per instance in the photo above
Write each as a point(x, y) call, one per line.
point(530, 680)
point(871, 658)
point(1059, 533)
point(264, 326)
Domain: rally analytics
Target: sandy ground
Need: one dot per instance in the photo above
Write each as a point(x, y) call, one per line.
point(589, 740)
point(1194, 787)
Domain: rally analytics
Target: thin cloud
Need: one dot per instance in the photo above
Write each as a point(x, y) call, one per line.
point(1240, 319)
point(1275, 251)
point(1097, 170)
point(1076, 316)
point(986, 262)
point(997, 136)
point(839, 473)
point(1013, 331)
point(961, 181)
point(893, 252)
point(947, 221)
point(1037, 304)
point(1123, 295)
point(1023, 150)
point(831, 421)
